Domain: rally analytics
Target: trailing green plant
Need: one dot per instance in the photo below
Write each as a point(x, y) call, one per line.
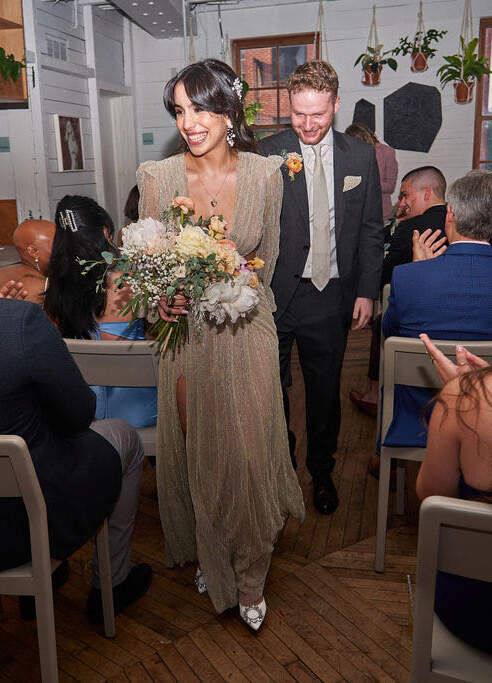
point(10, 66)
point(374, 57)
point(407, 46)
point(252, 109)
point(465, 66)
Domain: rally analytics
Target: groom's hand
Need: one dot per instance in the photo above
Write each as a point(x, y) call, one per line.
point(362, 314)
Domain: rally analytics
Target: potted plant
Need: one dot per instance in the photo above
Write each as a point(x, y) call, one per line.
point(252, 109)
point(10, 71)
point(463, 70)
point(420, 47)
point(373, 60)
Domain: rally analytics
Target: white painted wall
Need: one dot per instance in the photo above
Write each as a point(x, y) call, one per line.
point(96, 50)
point(347, 25)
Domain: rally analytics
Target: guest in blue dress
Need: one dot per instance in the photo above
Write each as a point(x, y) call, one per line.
point(83, 231)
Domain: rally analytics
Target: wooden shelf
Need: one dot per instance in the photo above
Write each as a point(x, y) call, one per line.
point(12, 40)
point(11, 11)
point(4, 23)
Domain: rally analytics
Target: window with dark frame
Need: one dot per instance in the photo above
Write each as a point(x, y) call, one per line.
point(265, 63)
point(482, 148)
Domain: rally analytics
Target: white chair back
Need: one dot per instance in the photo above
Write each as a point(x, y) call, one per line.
point(455, 536)
point(118, 363)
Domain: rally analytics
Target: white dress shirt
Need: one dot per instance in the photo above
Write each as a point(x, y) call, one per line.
point(327, 160)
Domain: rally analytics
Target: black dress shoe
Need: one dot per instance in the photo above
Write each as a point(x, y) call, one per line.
point(27, 603)
point(133, 587)
point(325, 497)
point(292, 449)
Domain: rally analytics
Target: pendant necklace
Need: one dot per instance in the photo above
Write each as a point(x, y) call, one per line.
point(213, 199)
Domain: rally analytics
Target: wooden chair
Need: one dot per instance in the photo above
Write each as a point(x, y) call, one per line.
point(18, 480)
point(405, 361)
point(119, 364)
point(455, 536)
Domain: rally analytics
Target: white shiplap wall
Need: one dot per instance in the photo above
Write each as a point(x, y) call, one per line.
point(63, 87)
point(347, 25)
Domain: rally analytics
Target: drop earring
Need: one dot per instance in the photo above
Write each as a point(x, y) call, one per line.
point(231, 135)
point(36, 261)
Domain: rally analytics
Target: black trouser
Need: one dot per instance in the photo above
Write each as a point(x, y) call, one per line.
point(319, 323)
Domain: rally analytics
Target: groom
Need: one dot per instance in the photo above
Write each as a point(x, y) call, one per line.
point(331, 253)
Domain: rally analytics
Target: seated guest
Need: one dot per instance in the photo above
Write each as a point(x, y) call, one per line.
point(447, 297)
point(86, 471)
point(422, 200)
point(84, 230)
point(457, 463)
point(422, 204)
point(387, 163)
point(33, 240)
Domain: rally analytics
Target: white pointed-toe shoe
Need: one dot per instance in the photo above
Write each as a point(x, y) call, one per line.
point(253, 615)
point(200, 581)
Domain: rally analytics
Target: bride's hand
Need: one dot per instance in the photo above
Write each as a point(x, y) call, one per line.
point(178, 307)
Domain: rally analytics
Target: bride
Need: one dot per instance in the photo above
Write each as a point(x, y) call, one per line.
point(225, 479)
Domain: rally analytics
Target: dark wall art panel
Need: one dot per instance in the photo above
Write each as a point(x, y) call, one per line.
point(412, 117)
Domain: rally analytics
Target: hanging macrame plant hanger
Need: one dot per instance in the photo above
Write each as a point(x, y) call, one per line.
point(320, 33)
point(418, 56)
point(463, 90)
point(371, 76)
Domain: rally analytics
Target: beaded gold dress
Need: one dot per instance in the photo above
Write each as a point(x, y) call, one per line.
point(226, 489)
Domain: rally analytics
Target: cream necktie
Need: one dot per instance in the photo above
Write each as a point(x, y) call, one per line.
point(321, 225)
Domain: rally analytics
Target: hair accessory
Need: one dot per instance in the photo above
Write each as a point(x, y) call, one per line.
point(231, 135)
point(67, 220)
point(237, 86)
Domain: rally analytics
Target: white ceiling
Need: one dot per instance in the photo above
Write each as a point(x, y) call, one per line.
point(160, 18)
point(164, 18)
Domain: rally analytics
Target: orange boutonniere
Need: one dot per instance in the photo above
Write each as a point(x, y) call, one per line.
point(293, 161)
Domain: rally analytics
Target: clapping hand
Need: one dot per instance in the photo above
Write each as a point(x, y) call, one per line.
point(13, 290)
point(445, 367)
point(426, 245)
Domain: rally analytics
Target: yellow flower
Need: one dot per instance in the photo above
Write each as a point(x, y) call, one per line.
point(216, 225)
point(227, 254)
point(256, 263)
point(192, 241)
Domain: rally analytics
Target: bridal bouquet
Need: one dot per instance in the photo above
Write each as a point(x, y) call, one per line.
point(180, 255)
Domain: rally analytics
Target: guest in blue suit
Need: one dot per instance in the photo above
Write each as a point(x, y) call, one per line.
point(447, 297)
point(84, 230)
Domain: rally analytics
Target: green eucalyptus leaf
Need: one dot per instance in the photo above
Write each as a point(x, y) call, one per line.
point(108, 257)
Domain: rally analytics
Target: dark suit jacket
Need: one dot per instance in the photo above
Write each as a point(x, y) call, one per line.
point(44, 399)
point(401, 247)
point(448, 297)
point(358, 221)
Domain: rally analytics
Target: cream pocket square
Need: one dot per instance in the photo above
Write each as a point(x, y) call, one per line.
point(351, 181)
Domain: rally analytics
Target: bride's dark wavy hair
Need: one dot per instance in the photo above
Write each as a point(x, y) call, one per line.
point(71, 300)
point(208, 84)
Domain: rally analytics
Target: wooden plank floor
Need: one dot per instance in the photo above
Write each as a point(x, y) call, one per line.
point(330, 616)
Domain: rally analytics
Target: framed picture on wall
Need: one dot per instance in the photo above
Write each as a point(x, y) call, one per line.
point(69, 148)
